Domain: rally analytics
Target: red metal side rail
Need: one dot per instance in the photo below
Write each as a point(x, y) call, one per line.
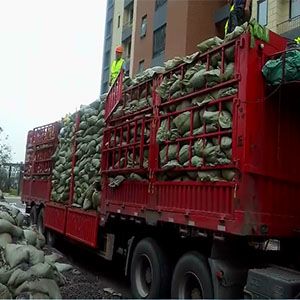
point(126, 150)
point(114, 95)
point(81, 225)
point(46, 134)
point(269, 191)
point(26, 181)
point(56, 213)
point(55, 216)
point(263, 197)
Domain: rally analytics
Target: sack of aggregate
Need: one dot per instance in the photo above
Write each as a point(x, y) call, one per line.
point(23, 265)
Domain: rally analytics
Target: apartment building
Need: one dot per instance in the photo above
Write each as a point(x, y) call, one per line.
point(153, 31)
point(280, 16)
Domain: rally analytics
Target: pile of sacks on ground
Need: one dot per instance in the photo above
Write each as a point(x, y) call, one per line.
point(61, 173)
point(25, 271)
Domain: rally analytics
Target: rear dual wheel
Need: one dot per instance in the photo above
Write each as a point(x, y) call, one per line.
point(192, 278)
point(150, 271)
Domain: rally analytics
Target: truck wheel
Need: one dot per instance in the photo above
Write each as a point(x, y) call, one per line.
point(40, 222)
point(33, 215)
point(150, 272)
point(192, 278)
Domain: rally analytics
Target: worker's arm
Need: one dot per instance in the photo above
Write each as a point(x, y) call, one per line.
point(125, 68)
point(247, 8)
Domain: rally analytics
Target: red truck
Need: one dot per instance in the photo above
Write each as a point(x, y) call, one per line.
point(184, 231)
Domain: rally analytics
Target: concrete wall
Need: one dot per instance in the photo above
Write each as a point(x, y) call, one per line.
point(200, 22)
point(278, 11)
point(176, 28)
point(117, 31)
point(142, 47)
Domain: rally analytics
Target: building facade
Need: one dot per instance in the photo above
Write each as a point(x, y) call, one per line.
point(153, 31)
point(280, 16)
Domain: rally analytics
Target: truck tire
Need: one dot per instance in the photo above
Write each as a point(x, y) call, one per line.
point(150, 272)
point(33, 215)
point(192, 278)
point(40, 222)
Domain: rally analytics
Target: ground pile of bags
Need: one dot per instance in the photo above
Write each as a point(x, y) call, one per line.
point(89, 139)
point(25, 271)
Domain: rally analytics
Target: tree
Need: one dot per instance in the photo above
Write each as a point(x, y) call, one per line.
point(5, 157)
point(5, 150)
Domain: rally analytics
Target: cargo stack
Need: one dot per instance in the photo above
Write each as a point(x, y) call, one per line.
point(62, 158)
point(89, 139)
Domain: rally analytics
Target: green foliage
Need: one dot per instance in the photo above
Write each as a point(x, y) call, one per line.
point(5, 150)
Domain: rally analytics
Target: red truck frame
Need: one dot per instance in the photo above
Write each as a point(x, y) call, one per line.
point(260, 204)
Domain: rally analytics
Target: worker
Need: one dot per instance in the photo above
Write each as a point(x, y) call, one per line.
point(240, 12)
point(297, 40)
point(117, 65)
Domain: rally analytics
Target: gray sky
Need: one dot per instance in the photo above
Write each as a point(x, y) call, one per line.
point(50, 62)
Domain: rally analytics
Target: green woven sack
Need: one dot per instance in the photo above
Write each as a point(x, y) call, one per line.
point(172, 153)
point(228, 174)
point(184, 154)
point(225, 119)
point(182, 122)
point(198, 80)
point(226, 143)
point(209, 44)
point(229, 72)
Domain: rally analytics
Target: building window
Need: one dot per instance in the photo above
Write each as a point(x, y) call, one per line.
point(141, 66)
point(127, 48)
point(143, 26)
point(119, 20)
point(294, 8)
point(262, 12)
point(128, 15)
point(159, 3)
point(159, 40)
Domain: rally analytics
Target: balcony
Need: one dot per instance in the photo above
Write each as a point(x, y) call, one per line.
point(127, 2)
point(289, 28)
point(127, 31)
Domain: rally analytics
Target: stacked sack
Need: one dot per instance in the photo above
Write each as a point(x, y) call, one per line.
point(25, 271)
point(134, 100)
point(89, 139)
point(196, 76)
point(61, 173)
point(204, 117)
point(202, 151)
